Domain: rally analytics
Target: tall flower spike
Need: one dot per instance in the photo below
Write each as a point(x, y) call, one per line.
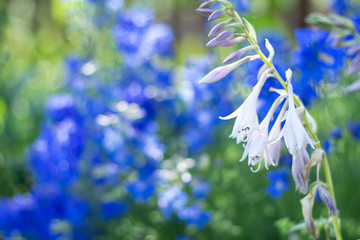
point(246, 115)
point(257, 148)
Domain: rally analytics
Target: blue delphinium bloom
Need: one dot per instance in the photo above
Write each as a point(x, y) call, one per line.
point(354, 129)
point(113, 209)
point(200, 189)
point(171, 201)
point(340, 6)
point(182, 238)
point(336, 133)
point(315, 61)
point(279, 180)
point(242, 6)
point(194, 216)
point(328, 146)
point(138, 40)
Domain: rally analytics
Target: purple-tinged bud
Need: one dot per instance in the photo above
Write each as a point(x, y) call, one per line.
point(337, 42)
point(205, 12)
point(233, 57)
point(307, 204)
point(353, 50)
point(224, 34)
point(355, 65)
point(215, 15)
point(301, 178)
point(220, 72)
point(206, 4)
point(225, 43)
point(327, 200)
point(218, 28)
point(353, 87)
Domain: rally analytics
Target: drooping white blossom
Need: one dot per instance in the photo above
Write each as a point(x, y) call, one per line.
point(275, 146)
point(258, 147)
point(294, 132)
point(246, 114)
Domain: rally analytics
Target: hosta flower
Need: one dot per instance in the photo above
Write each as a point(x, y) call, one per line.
point(294, 132)
point(301, 177)
point(246, 115)
point(274, 150)
point(258, 145)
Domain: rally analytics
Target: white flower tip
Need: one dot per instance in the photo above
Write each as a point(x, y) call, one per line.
point(270, 48)
point(288, 74)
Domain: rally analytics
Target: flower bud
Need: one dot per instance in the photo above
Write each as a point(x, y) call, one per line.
point(327, 200)
point(220, 72)
point(225, 34)
point(218, 28)
point(206, 4)
point(355, 65)
point(225, 43)
point(237, 55)
point(215, 15)
point(205, 12)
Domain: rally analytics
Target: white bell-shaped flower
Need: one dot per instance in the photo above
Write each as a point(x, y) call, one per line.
point(246, 114)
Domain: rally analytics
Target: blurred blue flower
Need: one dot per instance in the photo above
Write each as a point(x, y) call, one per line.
point(328, 146)
point(340, 6)
point(194, 216)
point(200, 189)
point(171, 201)
point(138, 40)
point(315, 61)
point(354, 129)
point(60, 107)
point(181, 238)
point(140, 191)
point(279, 180)
point(336, 133)
point(113, 209)
point(241, 6)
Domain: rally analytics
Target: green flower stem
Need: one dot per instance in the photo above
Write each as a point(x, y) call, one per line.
point(335, 219)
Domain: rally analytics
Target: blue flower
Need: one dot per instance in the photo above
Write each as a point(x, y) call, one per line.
point(138, 40)
point(140, 191)
point(336, 133)
point(354, 129)
point(241, 6)
point(60, 107)
point(113, 209)
point(340, 6)
point(194, 216)
point(171, 201)
point(315, 61)
point(279, 180)
point(200, 189)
